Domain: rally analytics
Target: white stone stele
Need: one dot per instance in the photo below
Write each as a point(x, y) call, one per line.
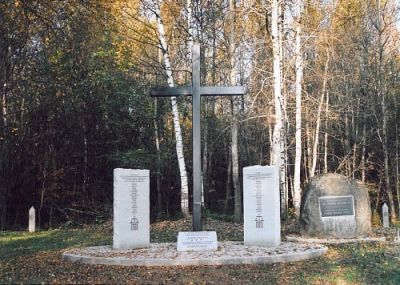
point(197, 241)
point(131, 208)
point(339, 223)
point(385, 215)
point(261, 204)
point(32, 220)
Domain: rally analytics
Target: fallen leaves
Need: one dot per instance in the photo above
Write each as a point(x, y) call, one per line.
point(37, 259)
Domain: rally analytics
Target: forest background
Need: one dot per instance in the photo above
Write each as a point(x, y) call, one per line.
point(322, 81)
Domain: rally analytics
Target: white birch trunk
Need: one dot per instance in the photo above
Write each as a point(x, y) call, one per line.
point(298, 89)
point(285, 122)
point(363, 147)
point(326, 134)
point(277, 151)
point(318, 123)
point(382, 93)
point(190, 28)
point(238, 217)
point(308, 149)
point(4, 105)
point(177, 126)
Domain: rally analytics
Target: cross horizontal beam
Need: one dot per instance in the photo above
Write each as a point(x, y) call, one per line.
point(204, 91)
point(171, 91)
point(221, 90)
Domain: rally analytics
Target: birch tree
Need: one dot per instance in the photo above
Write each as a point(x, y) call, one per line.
point(277, 151)
point(318, 122)
point(298, 91)
point(234, 121)
point(177, 126)
point(382, 94)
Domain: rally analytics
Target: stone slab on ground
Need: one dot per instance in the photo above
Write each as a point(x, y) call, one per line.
point(197, 241)
point(334, 240)
point(165, 254)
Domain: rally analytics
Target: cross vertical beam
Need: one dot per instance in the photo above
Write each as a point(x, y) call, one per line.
point(196, 90)
point(196, 141)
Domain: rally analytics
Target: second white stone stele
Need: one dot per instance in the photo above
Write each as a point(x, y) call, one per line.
point(261, 204)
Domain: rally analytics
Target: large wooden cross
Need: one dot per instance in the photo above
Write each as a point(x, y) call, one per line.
point(196, 91)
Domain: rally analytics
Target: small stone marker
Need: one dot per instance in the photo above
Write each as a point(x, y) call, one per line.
point(197, 241)
point(131, 208)
point(32, 220)
point(262, 223)
point(334, 206)
point(397, 236)
point(385, 215)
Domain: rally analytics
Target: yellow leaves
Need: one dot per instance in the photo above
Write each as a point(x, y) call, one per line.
point(134, 34)
point(313, 16)
point(347, 12)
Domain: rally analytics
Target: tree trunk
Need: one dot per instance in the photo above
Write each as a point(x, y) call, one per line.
point(4, 107)
point(397, 168)
point(354, 116)
point(382, 93)
point(326, 133)
point(386, 158)
point(271, 140)
point(177, 126)
point(85, 157)
point(347, 143)
point(4, 93)
point(238, 217)
point(308, 159)
point(3, 201)
point(298, 93)
point(363, 147)
point(205, 186)
point(228, 189)
point(210, 123)
point(318, 121)
point(158, 174)
point(278, 136)
point(190, 28)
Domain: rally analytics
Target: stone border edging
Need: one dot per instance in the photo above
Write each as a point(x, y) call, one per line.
point(166, 255)
point(334, 241)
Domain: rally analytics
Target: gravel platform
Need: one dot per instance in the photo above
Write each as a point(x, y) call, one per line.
point(165, 254)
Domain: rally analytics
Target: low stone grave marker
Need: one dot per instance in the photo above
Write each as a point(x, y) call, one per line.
point(197, 241)
point(131, 208)
point(32, 220)
point(262, 223)
point(397, 236)
point(334, 206)
point(385, 215)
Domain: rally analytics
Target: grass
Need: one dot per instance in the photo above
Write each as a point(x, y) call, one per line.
point(36, 258)
point(15, 244)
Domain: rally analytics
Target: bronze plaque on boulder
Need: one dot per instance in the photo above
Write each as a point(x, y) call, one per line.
point(333, 206)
